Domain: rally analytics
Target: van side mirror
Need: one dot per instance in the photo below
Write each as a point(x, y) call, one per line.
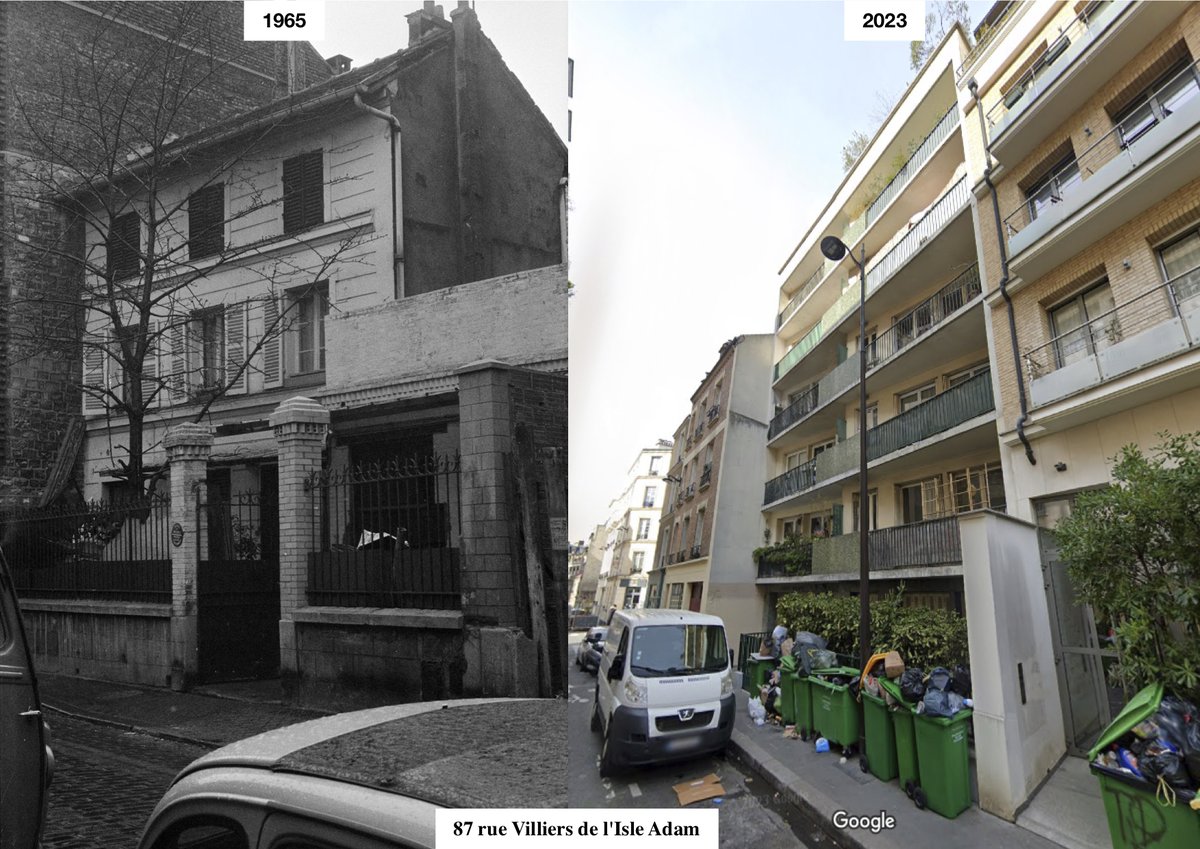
point(617, 670)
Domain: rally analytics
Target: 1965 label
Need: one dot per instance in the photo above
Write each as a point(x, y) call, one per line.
point(283, 20)
point(873, 20)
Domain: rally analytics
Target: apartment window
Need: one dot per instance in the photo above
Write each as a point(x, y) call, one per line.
point(687, 522)
point(303, 191)
point(977, 487)
point(1181, 264)
point(699, 528)
point(648, 496)
point(1084, 324)
point(632, 596)
point(643, 531)
point(1170, 91)
point(872, 508)
point(208, 339)
point(921, 500)
point(676, 597)
point(639, 560)
point(1052, 188)
point(872, 416)
point(965, 375)
point(123, 245)
point(820, 448)
point(654, 460)
point(917, 396)
point(789, 529)
point(309, 308)
point(206, 221)
point(793, 460)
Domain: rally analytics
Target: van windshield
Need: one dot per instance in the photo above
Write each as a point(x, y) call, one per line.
point(660, 650)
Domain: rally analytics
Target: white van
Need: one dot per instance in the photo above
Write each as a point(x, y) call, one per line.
point(665, 688)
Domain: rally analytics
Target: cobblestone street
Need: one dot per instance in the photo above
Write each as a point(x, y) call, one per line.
point(106, 783)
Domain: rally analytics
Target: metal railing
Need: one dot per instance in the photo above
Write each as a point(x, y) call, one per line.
point(971, 398)
point(932, 543)
point(925, 317)
point(792, 481)
point(798, 562)
point(794, 303)
point(695, 552)
point(946, 207)
point(1098, 154)
point(985, 37)
point(747, 645)
point(798, 351)
point(940, 132)
point(1029, 83)
point(706, 475)
point(113, 550)
point(1150, 308)
point(798, 409)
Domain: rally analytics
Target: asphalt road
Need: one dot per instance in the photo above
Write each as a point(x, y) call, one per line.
point(752, 815)
point(106, 783)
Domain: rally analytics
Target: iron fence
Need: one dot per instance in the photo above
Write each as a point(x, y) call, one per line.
point(925, 317)
point(749, 644)
point(387, 535)
point(113, 550)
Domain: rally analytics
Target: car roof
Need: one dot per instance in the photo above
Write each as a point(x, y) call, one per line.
point(479, 753)
point(666, 617)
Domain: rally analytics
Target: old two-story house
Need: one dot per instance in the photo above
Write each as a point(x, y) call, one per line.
point(361, 341)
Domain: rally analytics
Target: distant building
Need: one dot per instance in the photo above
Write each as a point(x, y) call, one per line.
point(632, 532)
point(583, 570)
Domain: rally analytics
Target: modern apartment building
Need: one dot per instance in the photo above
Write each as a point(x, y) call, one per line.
point(931, 440)
point(632, 532)
point(1089, 238)
point(710, 518)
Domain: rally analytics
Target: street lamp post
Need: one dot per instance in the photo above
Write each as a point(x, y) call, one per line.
point(834, 249)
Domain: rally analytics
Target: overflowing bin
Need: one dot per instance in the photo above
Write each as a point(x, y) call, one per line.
point(1140, 813)
point(905, 738)
point(758, 667)
point(834, 708)
point(943, 763)
point(879, 747)
point(802, 713)
point(787, 686)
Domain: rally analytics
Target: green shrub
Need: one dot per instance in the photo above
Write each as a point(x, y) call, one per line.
point(794, 554)
point(924, 637)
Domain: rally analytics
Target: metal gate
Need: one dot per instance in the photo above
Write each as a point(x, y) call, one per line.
point(237, 588)
point(1083, 654)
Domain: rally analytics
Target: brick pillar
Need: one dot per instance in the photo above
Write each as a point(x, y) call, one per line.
point(485, 438)
point(301, 425)
point(188, 446)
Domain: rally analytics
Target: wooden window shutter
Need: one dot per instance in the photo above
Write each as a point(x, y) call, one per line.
point(123, 245)
point(151, 388)
point(206, 221)
point(235, 348)
point(303, 191)
point(272, 349)
point(177, 337)
point(94, 358)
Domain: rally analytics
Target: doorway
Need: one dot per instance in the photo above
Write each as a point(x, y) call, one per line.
point(695, 595)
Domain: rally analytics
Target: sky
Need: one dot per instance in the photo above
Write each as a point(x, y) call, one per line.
point(706, 138)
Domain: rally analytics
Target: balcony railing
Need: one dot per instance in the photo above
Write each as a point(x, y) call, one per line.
point(799, 563)
point(695, 551)
point(794, 412)
point(706, 475)
point(984, 37)
point(947, 206)
point(831, 386)
point(1123, 139)
point(691, 492)
point(925, 317)
point(941, 130)
point(1035, 80)
point(792, 481)
point(1179, 297)
point(794, 303)
point(921, 544)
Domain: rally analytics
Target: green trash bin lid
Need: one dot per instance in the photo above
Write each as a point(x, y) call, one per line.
point(847, 671)
point(1142, 706)
point(788, 663)
point(893, 690)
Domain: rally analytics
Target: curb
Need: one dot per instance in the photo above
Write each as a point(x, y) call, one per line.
point(125, 726)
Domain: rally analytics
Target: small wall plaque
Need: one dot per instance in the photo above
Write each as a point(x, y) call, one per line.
point(177, 535)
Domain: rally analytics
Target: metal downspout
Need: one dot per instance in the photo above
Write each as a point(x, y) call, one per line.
point(394, 122)
point(1003, 282)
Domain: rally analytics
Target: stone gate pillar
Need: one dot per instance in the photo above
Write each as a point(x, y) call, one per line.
point(188, 447)
point(301, 426)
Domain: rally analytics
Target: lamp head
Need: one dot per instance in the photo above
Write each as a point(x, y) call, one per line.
point(833, 248)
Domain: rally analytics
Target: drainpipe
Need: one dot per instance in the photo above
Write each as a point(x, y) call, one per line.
point(1003, 283)
point(397, 238)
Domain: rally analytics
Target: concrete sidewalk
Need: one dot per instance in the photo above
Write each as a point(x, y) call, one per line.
point(820, 785)
point(210, 717)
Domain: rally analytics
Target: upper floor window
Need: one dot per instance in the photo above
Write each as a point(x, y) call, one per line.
point(1052, 188)
point(648, 496)
point(1181, 264)
point(206, 221)
point(310, 307)
point(208, 339)
point(303, 191)
point(639, 560)
point(123, 245)
point(643, 531)
point(1084, 324)
point(1170, 91)
point(654, 460)
point(965, 375)
point(917, 396)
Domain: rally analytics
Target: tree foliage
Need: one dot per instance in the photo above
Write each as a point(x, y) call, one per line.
point(940, 18)
point(1133, 553)
point(853, 149)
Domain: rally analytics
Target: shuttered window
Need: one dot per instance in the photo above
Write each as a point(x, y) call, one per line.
point(206, 221)
point(303, 191)
point(123, 237)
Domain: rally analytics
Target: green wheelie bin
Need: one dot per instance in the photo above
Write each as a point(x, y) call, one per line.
point(1138, 814)
point(943, 763)
point(879, 748)
point(787, 685)
point(757, 669)
point(802, 713)
point(905, 737)
point(835, 710)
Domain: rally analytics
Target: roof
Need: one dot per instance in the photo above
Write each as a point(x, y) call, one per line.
point(500, 753)
point(669, 617)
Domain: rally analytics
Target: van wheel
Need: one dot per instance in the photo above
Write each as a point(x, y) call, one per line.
point(607, 767)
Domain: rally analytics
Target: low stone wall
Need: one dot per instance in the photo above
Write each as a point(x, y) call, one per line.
point(116, 641)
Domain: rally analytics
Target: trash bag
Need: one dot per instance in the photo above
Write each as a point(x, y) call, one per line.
point(871, 686)
point(821, 659)
point(809, 638)
point(912, 685)
point(1167, 764)
point(1172, 721)
point(939, 679)
point(961, 681)
point(757, 711)
point(941, 703)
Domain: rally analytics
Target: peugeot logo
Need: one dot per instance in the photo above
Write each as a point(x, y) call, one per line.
point(685, 714)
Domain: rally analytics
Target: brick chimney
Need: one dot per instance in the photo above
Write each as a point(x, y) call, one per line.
point(339, 64)
point(428, 20)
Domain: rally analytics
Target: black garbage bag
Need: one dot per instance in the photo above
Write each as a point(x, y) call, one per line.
point(939, 679)
point(1167, 764)
point(809, 638)
point(912, 684)
point(960, 681)
point(942, 702)
point(1172, 719)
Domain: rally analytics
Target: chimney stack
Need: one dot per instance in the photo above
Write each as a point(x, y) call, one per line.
point(339, 64)
point(430, 19)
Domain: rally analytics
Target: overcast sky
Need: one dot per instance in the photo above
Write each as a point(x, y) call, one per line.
point(706, 138)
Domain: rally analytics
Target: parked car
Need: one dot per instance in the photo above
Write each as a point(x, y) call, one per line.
point(28, 762)
point(587, 656)
point(664, 689)
point(367, 779)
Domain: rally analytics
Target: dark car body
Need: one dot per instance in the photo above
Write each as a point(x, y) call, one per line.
point(591, 647)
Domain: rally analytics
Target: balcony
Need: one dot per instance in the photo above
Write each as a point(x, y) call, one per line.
point(956, 406)
point(924, 152)
point(920, 545)
point(706, 476)
point(695, 552)
point(1124, 173)
point(1077, 63)
point(691, 492)
point(1156, 325)
point(795, 562)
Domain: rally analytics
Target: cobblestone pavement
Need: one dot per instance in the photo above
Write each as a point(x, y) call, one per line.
point(106, 783)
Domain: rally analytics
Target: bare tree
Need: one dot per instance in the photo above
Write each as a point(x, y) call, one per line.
point(940, 18)
point(143, 214)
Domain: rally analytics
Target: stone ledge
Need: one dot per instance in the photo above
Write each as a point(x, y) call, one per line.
point(97, 606)
point(388, 617)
